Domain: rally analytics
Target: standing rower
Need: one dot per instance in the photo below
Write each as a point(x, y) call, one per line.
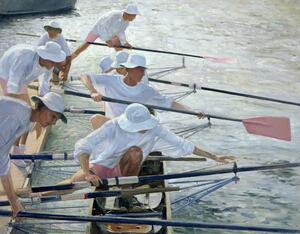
point(111, 29)
point(16, 117)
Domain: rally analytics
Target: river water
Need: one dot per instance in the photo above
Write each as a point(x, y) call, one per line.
point(264, 37)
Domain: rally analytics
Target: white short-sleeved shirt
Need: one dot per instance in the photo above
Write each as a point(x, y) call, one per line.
point(113, 86)
point(108, 144)
point(19, 66)
point(110, 25)
point(14, 121)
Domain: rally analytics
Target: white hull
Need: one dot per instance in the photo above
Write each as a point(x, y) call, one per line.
point(16, 7)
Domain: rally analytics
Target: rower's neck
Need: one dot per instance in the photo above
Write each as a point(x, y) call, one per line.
point(34, 116)
point(129, 81)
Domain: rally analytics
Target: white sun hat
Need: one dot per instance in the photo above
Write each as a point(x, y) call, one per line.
point(132, 10)
point(121, 57)
point(54, 102)
point(137, 117)
point(51, 51)
point(135, 60)
point(105, 64)
point(53, 24)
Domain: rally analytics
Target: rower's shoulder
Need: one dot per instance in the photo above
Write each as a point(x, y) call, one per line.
point(13, 106)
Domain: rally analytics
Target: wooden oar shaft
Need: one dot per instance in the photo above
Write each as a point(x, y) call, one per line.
point(118, 220)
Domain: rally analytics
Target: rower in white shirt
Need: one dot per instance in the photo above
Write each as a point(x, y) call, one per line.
point(128, 87)
point(121, 145)
point(16, 117)
point(111, 29)
point(22, 64)
point(53, 33)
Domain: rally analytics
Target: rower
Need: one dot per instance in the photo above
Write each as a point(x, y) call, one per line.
point(128, 87)
point(22, 64)
point(121, 57)
point(105, 64)
point(16, 117)
point(111, 29)
point(53, 33)
point(121, 145)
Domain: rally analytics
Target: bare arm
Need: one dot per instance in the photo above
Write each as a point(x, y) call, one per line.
point(65, 73)
point(7, 184)
point(200, 152)
point(179, 106)
point(95, 95)
point(85, 166)
point(79, 50)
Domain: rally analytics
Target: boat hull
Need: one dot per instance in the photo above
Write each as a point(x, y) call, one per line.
point(17, 7)
point(160, 204)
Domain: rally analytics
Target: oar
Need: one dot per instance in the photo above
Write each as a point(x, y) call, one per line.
point(157, 222)
point(209, 58)
point(64, 156)
point(194, 86)
point(269, 126)
point(146, 179)
point(28, 200)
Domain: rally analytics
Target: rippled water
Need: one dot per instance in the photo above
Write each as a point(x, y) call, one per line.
point(264, 36)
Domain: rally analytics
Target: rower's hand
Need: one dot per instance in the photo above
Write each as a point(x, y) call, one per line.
point(94, 179)
point(110, 43)
point(63, 75)
point(201, 115)
point(224, 158)
point(129, 46)
point(97, 97)
point(16, 207)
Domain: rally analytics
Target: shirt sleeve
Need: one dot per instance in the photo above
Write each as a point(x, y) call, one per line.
point(101, 81)
point(64, 46)
point(158, 99)
point(93, 140)
point(8, 128)
point(44, 82)
point(172, 144)
point(122, 37)
point(17, 72)
point(42, 41)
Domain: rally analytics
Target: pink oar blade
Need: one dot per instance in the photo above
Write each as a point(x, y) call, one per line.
point(221, 60)
point(275, 127)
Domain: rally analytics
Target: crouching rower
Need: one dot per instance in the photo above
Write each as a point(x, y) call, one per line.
point(128, 87)
point(16, 117)
point(121, 145)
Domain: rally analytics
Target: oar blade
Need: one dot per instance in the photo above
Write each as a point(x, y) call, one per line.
point(221, 60)
point(270, 126)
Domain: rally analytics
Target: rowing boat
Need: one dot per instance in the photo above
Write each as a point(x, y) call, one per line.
point(151, 205)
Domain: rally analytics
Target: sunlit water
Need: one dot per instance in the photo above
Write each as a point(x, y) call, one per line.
point(263, 35)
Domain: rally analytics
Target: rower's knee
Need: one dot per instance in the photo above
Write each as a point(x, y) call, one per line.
point(134, 155)
point(98, 120)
